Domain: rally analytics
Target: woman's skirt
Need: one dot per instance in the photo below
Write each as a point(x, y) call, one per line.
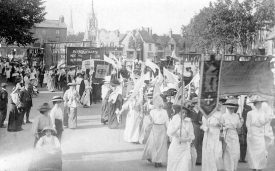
point(179, 156)
point(66, 115)
point(59, 128)
point(132, 128)
point(86, 98)
point(156, 148)
point(14, 122)
point(73, 118)
point(145, 129)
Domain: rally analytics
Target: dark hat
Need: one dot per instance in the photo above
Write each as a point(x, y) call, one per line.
point(44, 107)
point(115, 83)
point(72, 84)
point(57, 99)
point(49, 128)
point(179, 107)
point(231, 103)
point(4, 84)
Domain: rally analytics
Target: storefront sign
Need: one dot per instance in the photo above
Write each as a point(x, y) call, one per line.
point(209, 89)
point(75, 55)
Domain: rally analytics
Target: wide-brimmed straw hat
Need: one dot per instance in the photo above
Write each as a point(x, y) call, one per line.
point(257, 99)
point(57, 99)
point(4, 84)
point(72, 84)
point(231, 103)
point(44, 107)
point(48, 128)
point(52, 67)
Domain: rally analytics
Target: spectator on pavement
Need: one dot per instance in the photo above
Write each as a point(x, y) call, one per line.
point(3, 104)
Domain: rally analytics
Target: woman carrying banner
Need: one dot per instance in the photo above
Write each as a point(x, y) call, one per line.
point(212, 146)
point(115, 105)
point(156, 148)
point(181, 131)
point(106, 91)
point(231, 121)
point(259, 134)
point(133, 119)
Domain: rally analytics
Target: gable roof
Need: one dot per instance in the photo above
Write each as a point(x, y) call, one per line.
point(146, 37)
point(51, 24)
point(122, 37)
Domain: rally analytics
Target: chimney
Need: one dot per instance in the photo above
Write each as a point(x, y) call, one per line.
point(170, 33)
point(150, 32)
point(61, 19)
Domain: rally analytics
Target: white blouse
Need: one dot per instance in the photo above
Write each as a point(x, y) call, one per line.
point(159, 116)
point(56, 113)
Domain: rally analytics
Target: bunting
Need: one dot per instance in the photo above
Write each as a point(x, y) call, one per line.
point(152, 65)
point(170, 77)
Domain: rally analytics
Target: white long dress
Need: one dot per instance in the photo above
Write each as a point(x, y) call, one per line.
point(179, 154)
point(212, 146)
point(256, 144)
point(231, 154)
point(133, 121)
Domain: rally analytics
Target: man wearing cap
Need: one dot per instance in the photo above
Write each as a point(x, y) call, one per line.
point(3, 104)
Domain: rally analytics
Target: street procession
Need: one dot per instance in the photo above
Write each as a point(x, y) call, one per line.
point(194, 91)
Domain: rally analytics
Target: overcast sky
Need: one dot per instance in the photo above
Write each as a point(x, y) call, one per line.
point(125, 15)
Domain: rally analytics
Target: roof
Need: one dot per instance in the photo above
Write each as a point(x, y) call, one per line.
point(122, 37)
point(51, 24)
point(146, 37)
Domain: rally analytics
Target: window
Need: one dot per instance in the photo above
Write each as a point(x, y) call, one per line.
point(150, 47)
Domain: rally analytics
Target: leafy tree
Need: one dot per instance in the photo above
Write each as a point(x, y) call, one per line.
point(17, 17)
point(227, 26)
point(76, 37)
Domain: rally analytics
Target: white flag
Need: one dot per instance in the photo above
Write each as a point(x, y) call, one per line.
point(110, 61)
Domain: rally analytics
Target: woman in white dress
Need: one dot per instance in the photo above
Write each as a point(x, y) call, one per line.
point(46, 77)
point(181, 131)
point(212, 146)
point(258, 120)
point(51, 80)
point(133, 119)
point(231, 122)
point(156, 148)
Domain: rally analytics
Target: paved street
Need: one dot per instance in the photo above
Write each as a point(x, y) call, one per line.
point(91, 146)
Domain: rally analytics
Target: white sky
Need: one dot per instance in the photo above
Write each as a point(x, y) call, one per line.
point(125, 15)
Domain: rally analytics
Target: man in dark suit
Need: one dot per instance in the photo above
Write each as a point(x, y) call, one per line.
point(25, 99)
point(3, 104)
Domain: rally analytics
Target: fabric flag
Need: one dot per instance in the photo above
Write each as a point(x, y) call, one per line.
point(170, 77)
point(110, 61)
point(152, 65)
point(113, 57)
point(174, 55)
point(178, 97)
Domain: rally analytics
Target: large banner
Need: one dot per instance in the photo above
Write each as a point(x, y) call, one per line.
point(252, 77)
point(75, 55)
point(209, 89)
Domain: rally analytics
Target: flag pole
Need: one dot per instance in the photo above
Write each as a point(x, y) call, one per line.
point(182, 96)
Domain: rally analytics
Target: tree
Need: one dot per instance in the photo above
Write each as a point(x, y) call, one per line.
point(76, 37)
point(227, 25)
point(17, 18)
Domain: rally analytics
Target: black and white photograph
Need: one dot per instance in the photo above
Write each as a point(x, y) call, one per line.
point(137, 85)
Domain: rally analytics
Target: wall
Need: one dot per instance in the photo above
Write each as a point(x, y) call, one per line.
point(50, 34)
point(149, 54)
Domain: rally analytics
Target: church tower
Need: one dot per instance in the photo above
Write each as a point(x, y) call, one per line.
point(71, 25)
point(92, 27)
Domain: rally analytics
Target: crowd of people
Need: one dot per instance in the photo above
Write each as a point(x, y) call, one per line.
point(177, 133)
point(172, 128)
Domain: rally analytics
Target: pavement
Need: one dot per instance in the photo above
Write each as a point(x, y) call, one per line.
point(90, 147)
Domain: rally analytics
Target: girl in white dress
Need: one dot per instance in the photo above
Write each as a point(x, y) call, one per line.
point(156, 148)
point(258, 136)
point(231, 122)
point(181, 131)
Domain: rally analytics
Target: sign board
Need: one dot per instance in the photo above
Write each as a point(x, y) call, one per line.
point(209, 83)
point(75, 55)
point(101, 71)
point(247, 77)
